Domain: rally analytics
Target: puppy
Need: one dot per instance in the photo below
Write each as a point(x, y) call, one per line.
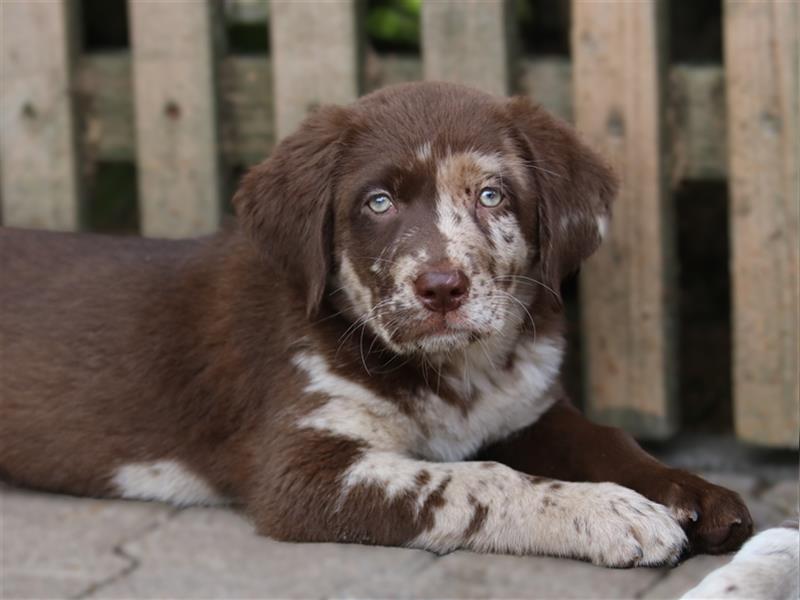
point(372, 355)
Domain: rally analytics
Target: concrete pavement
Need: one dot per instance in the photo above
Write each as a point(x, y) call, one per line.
point(63, 547)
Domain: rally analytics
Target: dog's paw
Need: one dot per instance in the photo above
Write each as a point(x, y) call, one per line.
point(716, 520)
point(625, 529)
point(765, 567)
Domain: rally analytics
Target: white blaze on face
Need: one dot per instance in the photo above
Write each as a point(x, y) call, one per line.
point(459, 179)
point(359, 294)
point(404, 271)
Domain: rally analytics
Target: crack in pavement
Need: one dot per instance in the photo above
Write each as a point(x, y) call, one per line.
point(119, 551)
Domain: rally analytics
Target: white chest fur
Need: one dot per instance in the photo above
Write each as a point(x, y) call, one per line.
point(503, 400)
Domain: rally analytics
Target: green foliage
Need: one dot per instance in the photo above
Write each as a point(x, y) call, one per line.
point(394, 24)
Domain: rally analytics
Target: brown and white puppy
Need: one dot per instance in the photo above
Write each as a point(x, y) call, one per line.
point(372, 356)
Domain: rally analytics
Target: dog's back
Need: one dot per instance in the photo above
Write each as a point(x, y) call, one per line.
point(71, 304)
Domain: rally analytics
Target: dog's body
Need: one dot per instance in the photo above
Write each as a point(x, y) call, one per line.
point(386, 315)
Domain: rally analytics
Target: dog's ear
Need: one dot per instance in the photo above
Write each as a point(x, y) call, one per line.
point(575, 189)
point(285, 204)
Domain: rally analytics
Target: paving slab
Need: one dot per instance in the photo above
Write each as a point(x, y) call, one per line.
point(470, 575)
point(684, 577)
point(63, 547)
point(60, 547)
point(785, 496)
point(214, 553)
point(766, 512)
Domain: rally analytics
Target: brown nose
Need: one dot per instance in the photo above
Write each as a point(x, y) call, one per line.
point(442, 291)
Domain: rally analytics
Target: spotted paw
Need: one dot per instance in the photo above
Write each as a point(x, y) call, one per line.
point(624, 529)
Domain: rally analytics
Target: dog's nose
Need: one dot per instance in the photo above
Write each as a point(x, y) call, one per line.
point(442, 291)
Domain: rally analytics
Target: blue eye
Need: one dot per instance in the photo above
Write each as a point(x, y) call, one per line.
point(490, 197)
point(379, 203)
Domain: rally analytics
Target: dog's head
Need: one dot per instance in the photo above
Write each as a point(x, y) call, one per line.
point(440, 213)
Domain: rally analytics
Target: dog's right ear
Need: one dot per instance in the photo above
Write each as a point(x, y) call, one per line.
point(285, 203)
point(576, 189)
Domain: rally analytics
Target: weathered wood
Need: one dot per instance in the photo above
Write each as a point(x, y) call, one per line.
point(549, 82)
point(40, 173)
point(468, 42)
point(762, 63)
point(177, 146)
point(248, 109)
point(315, 57)
point(247, 130)
point(627, 288)
point(696, 122)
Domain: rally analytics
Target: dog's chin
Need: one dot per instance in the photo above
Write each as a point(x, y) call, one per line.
point(434, 335)
point(444, 343)
point(438, 340)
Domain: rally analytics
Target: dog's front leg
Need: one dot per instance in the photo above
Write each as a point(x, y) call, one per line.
point(566, 445)
point(387, 498)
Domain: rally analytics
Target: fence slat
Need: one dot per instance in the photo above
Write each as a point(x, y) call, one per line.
point(468, 42)
point(247, 130)
point(627, 287)
point(177, 149)
point(40, 175)
point(315, 57)
point(762, 62)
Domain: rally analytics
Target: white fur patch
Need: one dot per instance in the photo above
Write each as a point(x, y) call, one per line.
point(352, 410)
point(453, 217)
point(602, 226)
point(504, 400)
point(462, 236)
point(359, 294)
point(424, 152)
point(164, 480)
point(765, 567)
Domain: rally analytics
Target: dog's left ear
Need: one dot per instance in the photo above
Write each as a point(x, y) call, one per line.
point(574, 190)
point(285, 204)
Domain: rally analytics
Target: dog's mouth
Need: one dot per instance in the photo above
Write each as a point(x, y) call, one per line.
point(438, 332)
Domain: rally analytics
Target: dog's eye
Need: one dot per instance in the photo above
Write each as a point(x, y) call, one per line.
point(379, 203)
point(490, 197)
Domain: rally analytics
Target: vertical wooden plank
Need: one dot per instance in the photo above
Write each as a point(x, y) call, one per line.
point(315, 56)
point(762, 64)
point(177, 150)
point(627, 287)
point(468, 42)
point(38, 151)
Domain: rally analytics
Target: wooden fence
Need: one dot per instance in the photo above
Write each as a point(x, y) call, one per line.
point(183, 112)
